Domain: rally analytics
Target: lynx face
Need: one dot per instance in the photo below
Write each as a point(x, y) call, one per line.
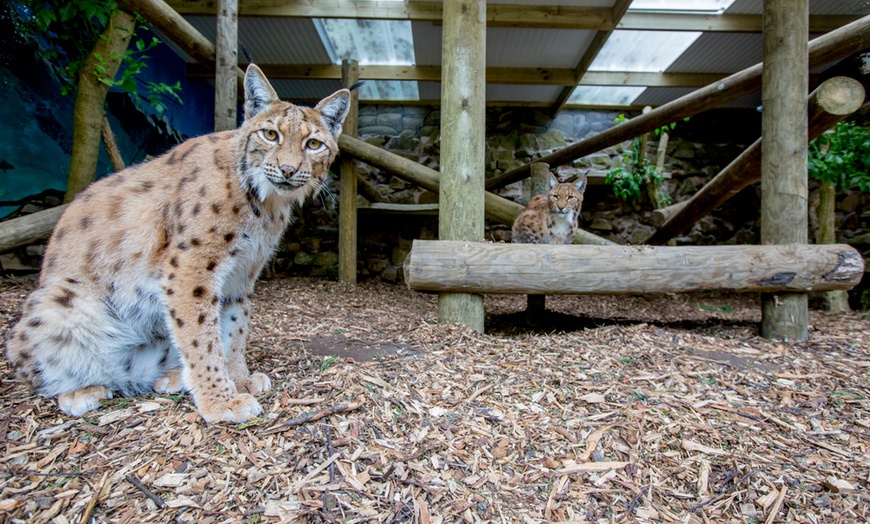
point(551, 219)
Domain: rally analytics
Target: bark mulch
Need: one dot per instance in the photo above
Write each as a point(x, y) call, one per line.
point(608, 409)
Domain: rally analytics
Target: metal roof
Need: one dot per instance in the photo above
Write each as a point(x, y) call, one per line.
point(530, 60)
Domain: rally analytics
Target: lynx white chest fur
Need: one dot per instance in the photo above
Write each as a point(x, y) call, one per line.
point(552, 218)
point(147, 279)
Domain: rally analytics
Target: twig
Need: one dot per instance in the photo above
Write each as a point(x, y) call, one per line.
point(311, 416)
point(329, 452)
point(141, 487)
point(635, 501)
point(25, 473)
point(728, 490)
point(98, 494)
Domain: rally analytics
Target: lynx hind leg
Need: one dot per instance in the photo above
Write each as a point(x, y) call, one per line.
point(82, 400)
point(171, 382)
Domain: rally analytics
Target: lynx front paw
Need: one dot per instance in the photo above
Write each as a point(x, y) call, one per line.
point(242, 408)
point(255, 384)
point(83, 400)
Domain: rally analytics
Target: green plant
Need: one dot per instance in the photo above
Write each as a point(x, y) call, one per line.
point(637, 170)
point(841, 156)
point(66, 31)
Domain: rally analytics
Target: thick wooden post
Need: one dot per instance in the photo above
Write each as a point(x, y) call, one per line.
point(226, 54)
point(784, 153)
point(536, 305)
point(463, 98)
point(347, 226)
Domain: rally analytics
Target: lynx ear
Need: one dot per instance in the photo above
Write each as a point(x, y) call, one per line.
point(259, 93)
point(553, 181)
point(580, 183)
point(333, 110)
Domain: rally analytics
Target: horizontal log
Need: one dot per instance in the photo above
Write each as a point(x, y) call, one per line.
point(30, 228)
point(481, 267)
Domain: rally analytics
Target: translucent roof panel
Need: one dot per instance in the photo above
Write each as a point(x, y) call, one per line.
point(371, 42)
point(697, 6)
point(605, 95)
point(642, 51)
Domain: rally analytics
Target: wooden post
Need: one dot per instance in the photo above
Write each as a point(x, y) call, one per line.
point(488, 267)
point(536, 305)
point(347, 225)
point(784, 153)
point(226, 54)
point(463, 98)
point(830, 103)
point(825, 49)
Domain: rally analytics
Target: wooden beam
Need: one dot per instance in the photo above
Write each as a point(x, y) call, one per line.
point(601, 36)
point(29, 229)
point(486, 267)
point(823, 50)
point(227, 63)
point(347, 192)
point(724, 23)
point(494, 75)
point(834, 100)
point(503, 15)
point(784, 154)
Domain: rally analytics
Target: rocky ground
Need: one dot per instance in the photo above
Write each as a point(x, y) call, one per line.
point(610, 409)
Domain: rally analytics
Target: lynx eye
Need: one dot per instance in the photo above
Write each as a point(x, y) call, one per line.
point(269, 135)
point(313, 144)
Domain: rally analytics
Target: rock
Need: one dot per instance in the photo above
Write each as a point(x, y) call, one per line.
point(377, 141)
point(600, 224)
point(325, 259)
point(412, 123)
point(303, 259)
point(433, 119)
point(552, 140)
point(599, 161)
point(367, 121)
point(378, 130)
point(394, 274)
point(377, 265)
point(402, 143)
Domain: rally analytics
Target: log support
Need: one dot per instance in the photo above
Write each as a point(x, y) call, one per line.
point(347, 223)
point(484, 267)
point(463, 103)
point(226, 53)
point(784, 315)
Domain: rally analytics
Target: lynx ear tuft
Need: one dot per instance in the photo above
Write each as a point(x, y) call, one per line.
point(333, 110)
point(259, 93)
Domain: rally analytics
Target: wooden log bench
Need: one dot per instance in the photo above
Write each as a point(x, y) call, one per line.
point(482, 267)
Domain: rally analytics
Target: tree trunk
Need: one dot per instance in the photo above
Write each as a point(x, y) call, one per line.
point(838, 300)
point(90, 97)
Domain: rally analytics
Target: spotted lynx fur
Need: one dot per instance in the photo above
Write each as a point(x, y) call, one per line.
point(552, 218)
point(147, 279)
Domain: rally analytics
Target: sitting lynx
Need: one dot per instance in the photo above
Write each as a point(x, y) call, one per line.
point(147, 279)
point(551, 219)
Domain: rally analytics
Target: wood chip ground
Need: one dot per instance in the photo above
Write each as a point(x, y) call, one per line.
point(608, 410)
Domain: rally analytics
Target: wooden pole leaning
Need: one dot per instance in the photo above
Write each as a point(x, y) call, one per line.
point(347, 192)
point(226, 58)
point(463, 100)
point(830, 47)
point(487, 267)
point(784, 191)
point(834, 100)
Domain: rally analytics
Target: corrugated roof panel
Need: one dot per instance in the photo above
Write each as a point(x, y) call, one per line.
point(642, 51)
point(304, 90)
point(521, 93)
point(573, 3)
point(719, 53)
point(427, 43)
point(656, 96)
point(273, 40)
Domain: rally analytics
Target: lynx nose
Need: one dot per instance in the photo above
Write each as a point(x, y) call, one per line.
point(287, 170)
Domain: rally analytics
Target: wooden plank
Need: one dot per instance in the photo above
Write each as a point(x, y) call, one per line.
point(347, 180)
point(30, 228)
point(463, 106)
point(401, 209)
point(485, 267)
point(784, 154)
point(502, 15)
point(226, 53)
point(823, 50)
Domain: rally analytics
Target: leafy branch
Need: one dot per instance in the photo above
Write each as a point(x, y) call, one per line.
point(841, 156)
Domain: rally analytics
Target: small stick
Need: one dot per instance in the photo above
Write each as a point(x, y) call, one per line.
point(329, 452)
point(98, 493)
point(723, 493)
point(311, 416)
point(141, 487)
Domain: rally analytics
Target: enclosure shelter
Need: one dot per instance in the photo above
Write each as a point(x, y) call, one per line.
point(549, 55)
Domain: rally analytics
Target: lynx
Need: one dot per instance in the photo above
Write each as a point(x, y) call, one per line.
point(147, 279)
point(551, 219)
